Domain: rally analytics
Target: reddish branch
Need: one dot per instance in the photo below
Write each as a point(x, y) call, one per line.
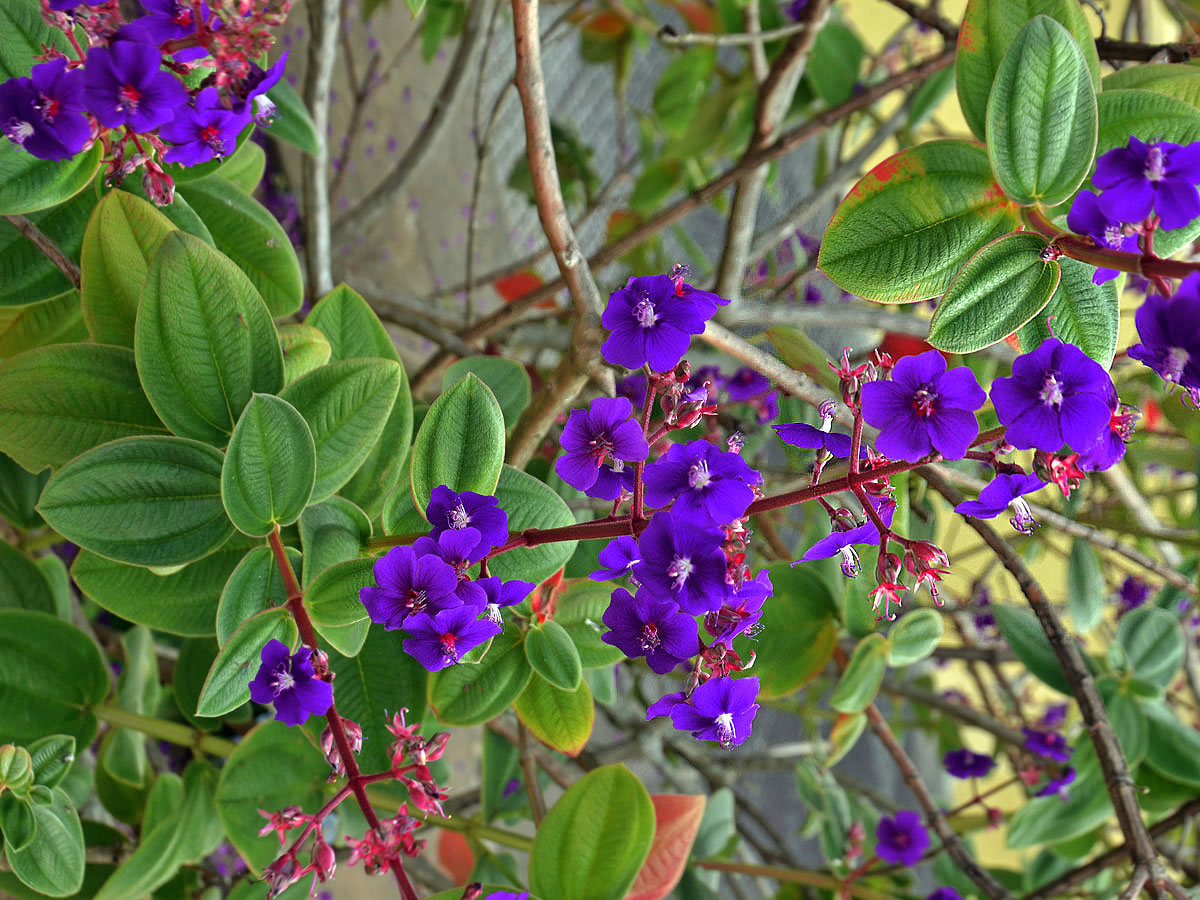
point(46, 245)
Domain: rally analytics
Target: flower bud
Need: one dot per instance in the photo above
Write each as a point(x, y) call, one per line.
point(281, 875)
point(353, 734)
point(324, 862)
point(159, 186)
point(16, 769)
point(930, 555)
point(320, 663)
point(888, 568)
point(472, 891)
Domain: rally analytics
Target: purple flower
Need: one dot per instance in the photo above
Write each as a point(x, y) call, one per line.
point(1049, 744)
point(617, 558)
point(1170, 333)
point(1137, 179)
point(499, 594)
point(287, 680)
point(1134, 593)
point(844, 542)
point(705, 302)
point(460, 549)
point(640, 625)
point(612, 479)
point(708, 485)
point(1109, 447)
point(406, 583)
point(720, 710)
point(964, 763)
point(649, 324)
point(740, 613)
point(169, 20)
point(1055, 715)
point(766, 406)
point(902, 839)
point(663, 705)
point(1085, 217)
point(746, 383)
point(945, 893)
point(252, 91)
point(203, 131)
point(1059, 785)
point(126, 85)
point(684, 561)
point(441, 640)
point(633, 387)
point(604, 430)
point(1056, 396)
point(448, 510)
point(1002, 492)
point(507, 895)
point(809, 437)
point(44, 114)
point(924, 408)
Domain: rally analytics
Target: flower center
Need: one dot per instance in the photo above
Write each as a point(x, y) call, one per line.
point(283, 680)
point(449, 650)
point(1177, 359)
point(458, 517)
point(1022, 520)
point(900, 839)
point(183, 15)
point(18, 131)
point(725, 732)
point(212, 137)
point(1156, 168)
point(679, 570)
point(644, 312)
point(415, 601)
point(602, 447)
point(924, 401)
point(1114, 236)
point(128, 98)
point(48, 107)
point(650, 637)
point(699, 476)
point(850, 566)
point(1051, 393)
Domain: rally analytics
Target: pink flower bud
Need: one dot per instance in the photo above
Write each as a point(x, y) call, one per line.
point(159, 186)
point(281, 875)
point(324, 862)
point(472, 891)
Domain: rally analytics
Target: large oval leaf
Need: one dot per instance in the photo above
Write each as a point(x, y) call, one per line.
point(58, 320)
point(1027, 640)
point(304, 349)
point(332, 532)
point(60, 401)
point(468, 694)
point(860, 681)
point(677, 820)
point(150, 501)
point(1003, 286)
point(346, 404)
point(53, 863)
point(1173, 746)
point(255, 585)
point(123, 235)
point(204, 342)
point(461, 442)
point(558, 718)
point(595, 838)
point(22, 584)
point(1051, 819)
point(913, 221)
point(1176, 80)
point(506, 377)
point(29, 184)
point(553, 655)
point(269, 468)
point(1082, 313)
point(228, 684)
point(1153, 642)
point(332, 597)
point(914, 637)
point(531, 504)
point(26, 274)
point(799, 631)
point(1041, 116)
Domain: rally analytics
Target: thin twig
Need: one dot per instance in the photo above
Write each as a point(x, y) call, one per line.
point(46, 245)
point(537, 803)
point(671, 38)
point(324, 24)
point(957, 710)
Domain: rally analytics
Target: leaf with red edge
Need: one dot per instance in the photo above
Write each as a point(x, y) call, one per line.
point(677, 820)
point(454, 856)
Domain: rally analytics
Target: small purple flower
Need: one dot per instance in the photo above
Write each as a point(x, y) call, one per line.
point(705, 302)
point(441, 640)
point(1002, 492)
point(1056, 396)
point(663, 705)
point(844, 542)
point(1141, 178)
point(459, 548)
point(590, 437)
point(720, 710)
point(43, 114)
point(901, 839)
point(684, 561)
point(1055, 715)
point(1059, 785)
point(633, 388)
point(1170, 335)
point(649, 324)
point(708, 485)
point(206, 130)
point(1085, 217)
point(809, 437)
point(945, 893)
point(1134, 593)
point(125, 85)
point(287, 680)
point(746, 383)
point(965, 763)
point(924, 408)
point(499, 594)
point(406, 583)
point(617, 558)
point(169, 20)
point(740, 613)
point(640, 625)
point(448, 510)
point(252, 91)
point(1049, 744)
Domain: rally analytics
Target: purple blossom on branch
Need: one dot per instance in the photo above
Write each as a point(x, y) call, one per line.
point(1002, 492)
point(441, 640)
point(901, 839)
point(203, 131)
point(844, 542)
point(448, 510)
point(705, 484)
point(287, 681)
point(125, 85)
point(617, 558)
point(641, 625)
point(650, 324)
point(684, 561)
point(1059, 785)
point(809, 437)
point(1049, 744)
point(605, 430)
point(746, 383)
point(965, 763)
point(1143, 178)
point(1170, 335)
point(406, 583)
point(720, 710)
point(1087, 218)
point(43, 114)
point(945, 893)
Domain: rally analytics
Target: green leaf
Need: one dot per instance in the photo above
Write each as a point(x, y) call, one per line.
point(1082, 313)
point(204, 342)
point(530, 504)
point(196, 656)
point(332, 597)
point(1001, 288)
point(553, 656)
point(1041, 116)
point(29, 184)
point(501, 764)
point(1173, 747)
point(246, 232)
point(122, 237)
point(138, 691)
point(595, 838)
point(165, 797)
point(799, 631)
point(846, 731)
point(228, 684)
point(42, 695)
point(833, 67)
point(561, 719)
point(988, 30)
point(26, 274)
point(23, 37)
point(1051, 819)
point(913, 221)
point(914, 637)
point(53, 864)
point(179, 211)
point(150, 501)
point(681, 87)
point(1025, 636)
point(304, 349)
point(461, 442)
point(579, 610)
point(255, 585)
point(22, 584)
point(273, 767)
point(1173, 79)
point(58, 320)
point(373, 685)
point(292, 121)
point(19, 492)
point(1085, 587)
point(17, 822)
point(270, 466)
point(331, 532)
point(1154, 643)
point(506, 377)
point(346, 404)
point(183, 603)
point(58, 402)
point(1128, 721)
point(351, 326)
point(471, 694)
point(860, 681)
point(52, 756)
point(245, 167)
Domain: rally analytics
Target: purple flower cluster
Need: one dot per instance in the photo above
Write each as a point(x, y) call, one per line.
point(1049, 744)
point(287, 680)
point(425, 590)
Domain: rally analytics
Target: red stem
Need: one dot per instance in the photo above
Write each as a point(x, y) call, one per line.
point(639, 488)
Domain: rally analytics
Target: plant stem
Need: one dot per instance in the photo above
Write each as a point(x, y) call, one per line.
point(172, 732)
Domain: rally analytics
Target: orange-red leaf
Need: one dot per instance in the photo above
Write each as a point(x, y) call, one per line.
point(454, 856)
point(677, 819)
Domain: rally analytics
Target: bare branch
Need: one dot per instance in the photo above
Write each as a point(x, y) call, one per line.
point(324, 23)
point(46, 245)
point(668, 36)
